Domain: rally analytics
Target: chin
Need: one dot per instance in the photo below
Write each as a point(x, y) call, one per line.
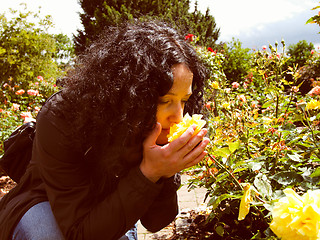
point(162, 140)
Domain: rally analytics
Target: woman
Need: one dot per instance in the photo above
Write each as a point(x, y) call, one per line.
point(101, 159)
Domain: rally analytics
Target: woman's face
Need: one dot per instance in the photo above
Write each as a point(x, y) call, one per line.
point(171, 106)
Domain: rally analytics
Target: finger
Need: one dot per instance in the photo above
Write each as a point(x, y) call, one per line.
point(183, 139)
point(196, 160)
point(153, 136)
point(196, 151)
point(193, 143)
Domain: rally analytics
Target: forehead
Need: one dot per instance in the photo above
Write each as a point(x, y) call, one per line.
point(182, 78)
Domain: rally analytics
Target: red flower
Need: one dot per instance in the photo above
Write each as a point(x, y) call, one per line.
point(210, 49)
point(40, 78)
point(209, 105)
point(189, 37)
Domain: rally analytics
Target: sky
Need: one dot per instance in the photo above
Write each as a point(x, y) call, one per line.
point(254, 22)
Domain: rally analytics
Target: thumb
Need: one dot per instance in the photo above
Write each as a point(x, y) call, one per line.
point(153, 136)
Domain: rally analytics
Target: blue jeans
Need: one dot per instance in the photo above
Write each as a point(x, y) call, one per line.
point(38, 223)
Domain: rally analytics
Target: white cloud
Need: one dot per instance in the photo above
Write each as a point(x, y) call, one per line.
point(247, 20)
point(235, 17)
point(64, 12)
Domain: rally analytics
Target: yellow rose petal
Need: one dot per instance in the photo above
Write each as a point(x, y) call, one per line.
point(245, 201)
point(297, 217)
point(177, 130)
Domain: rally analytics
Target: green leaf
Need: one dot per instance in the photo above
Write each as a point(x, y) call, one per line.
point(219, 230)
point(295, 157)
point(310, 20)
point(215, 201)
point(262, 185)
point(233, 146)
point(222, 152)
point(316, 173)
point(267, 104)
point(287, 178)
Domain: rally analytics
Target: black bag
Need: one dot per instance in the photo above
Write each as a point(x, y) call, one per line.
point(18, 151)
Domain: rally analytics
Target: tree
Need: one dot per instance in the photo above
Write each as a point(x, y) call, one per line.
point(27, 50)
point(237, 61)
point(101, 13)
point(299, 53)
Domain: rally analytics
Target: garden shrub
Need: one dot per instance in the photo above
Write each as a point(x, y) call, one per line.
point(299, 53)
point(236, 62)
point(18, 105)
point(256, 141)
point(28, 50)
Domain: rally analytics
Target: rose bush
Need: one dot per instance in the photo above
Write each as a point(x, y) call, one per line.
point(264, 134)
point(18, 105)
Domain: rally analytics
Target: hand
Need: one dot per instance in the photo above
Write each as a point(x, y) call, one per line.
point(165, 161)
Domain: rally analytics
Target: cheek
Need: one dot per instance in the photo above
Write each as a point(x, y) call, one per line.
point(160, 114)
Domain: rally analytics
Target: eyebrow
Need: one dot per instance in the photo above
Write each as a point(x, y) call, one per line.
point(172, 94)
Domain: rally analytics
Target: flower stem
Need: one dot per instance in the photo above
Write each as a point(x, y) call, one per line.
point(224, 168)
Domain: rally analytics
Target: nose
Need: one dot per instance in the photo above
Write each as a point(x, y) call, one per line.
point(176, 114)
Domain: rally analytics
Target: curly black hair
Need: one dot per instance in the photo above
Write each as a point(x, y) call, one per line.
point(111, 95)
point(118, 81)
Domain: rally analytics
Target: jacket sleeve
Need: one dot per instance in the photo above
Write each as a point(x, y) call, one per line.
point(67, 188)
point(165, 207)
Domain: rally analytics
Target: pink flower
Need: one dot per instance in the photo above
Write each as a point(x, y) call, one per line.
point(312, 51)
point(314, 91)
point(36, 83)
point(20, 92)
point(189, 37)
point(32, 92)
point(264, 47)
point(235, 85)
point(15, 106)
point(40, 78)
point(242, 98)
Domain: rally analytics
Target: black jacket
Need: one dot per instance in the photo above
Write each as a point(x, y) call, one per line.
point(57, 174)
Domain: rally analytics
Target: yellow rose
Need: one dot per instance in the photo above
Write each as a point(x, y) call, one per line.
point(215, 85)
point(177, 130)
point(226, 105)
point(297, 217)
point(313, 104)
